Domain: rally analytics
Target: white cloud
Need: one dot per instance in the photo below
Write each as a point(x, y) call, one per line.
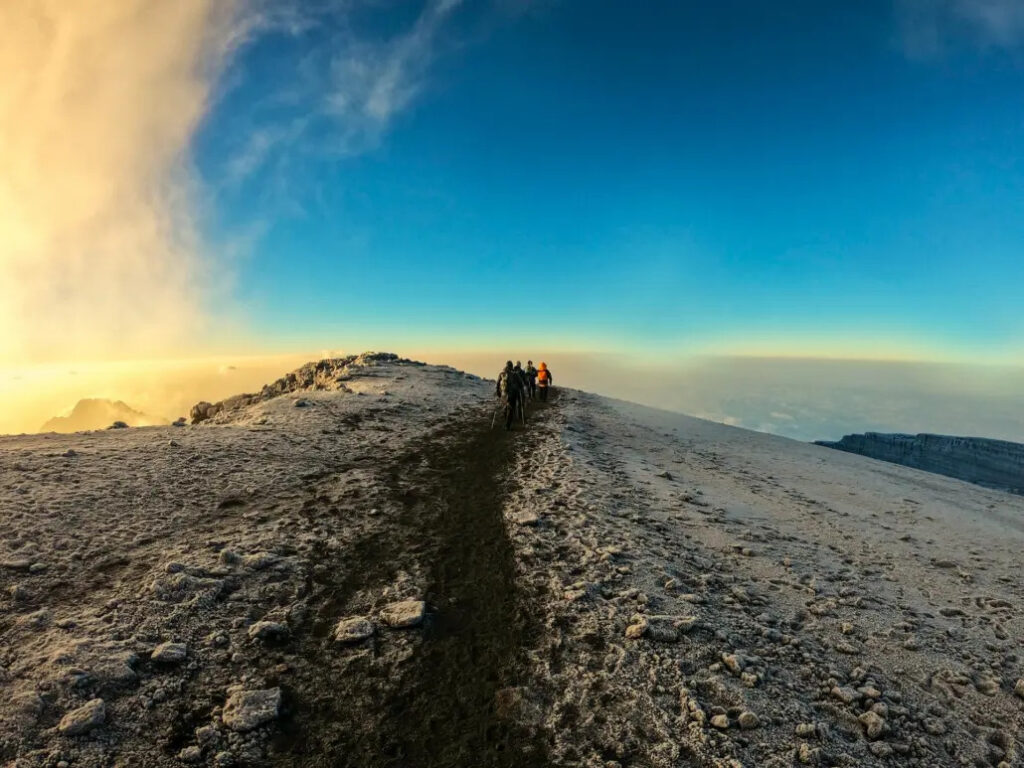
point(929, 27)
point(351, 88)
point(99, 244)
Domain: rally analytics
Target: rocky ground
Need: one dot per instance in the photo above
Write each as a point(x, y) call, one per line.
point(358, 571)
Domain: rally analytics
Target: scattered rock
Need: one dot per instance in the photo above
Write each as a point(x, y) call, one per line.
point(1019, 688)
point(733, 662)
point(525, 517)
point(845, 694)
point(258, 561)
point(353, 630)
point(748, 720)
point(406, 613)
point(191, 754)
point(245, 710)
point(805, 730)
point(268, 630)
point(170, 653)
point(720, 721)
point(83, 719)
point(118, 425)
point(806, 754)
point(637, 628)
point(873, 724)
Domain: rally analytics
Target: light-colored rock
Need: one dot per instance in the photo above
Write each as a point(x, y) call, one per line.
point(245, 710)
point(806, 754)
point(1019, 688)
point(353, 630)
point(260, 560)
point(748, 720)
point(406, 613)
point(845, 694)
point(637, 627)
point(720, 721)
point(805, 730)
point(268, 630)
point(873, 724)
point(733, 662)
point(170, 653)
point(84, 719)
point(191, 754)
point(525, 517)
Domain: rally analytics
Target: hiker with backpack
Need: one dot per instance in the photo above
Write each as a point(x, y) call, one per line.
point(531, 379)
point(544, 381)
point(510, 390)
point(524, 382)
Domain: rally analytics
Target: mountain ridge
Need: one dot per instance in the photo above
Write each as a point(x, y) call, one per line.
point(99, 413)
point(983, 461)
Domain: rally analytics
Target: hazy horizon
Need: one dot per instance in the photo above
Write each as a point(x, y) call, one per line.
point(805, 399)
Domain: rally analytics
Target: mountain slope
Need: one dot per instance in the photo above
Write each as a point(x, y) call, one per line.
point(614, 585)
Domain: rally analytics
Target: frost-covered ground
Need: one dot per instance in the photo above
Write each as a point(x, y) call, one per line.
point(614, 586)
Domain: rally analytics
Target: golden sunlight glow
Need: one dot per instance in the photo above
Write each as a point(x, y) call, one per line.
point(98, 246)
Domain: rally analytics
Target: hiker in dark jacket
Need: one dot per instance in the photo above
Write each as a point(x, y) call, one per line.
point(524, 381)
point(509, 389)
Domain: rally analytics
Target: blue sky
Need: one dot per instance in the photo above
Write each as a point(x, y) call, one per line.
point(784, 178)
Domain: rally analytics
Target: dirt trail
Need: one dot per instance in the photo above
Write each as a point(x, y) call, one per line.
point(436, 705)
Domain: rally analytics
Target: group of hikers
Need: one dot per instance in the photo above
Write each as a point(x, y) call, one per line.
point(516, 385)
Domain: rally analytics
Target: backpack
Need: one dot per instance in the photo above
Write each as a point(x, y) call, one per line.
point(505, 383)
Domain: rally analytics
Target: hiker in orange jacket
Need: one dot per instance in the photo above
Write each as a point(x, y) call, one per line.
point(544, 381)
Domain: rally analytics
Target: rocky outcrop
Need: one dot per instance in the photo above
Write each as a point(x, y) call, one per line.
point(329, 374)
point(993, 463)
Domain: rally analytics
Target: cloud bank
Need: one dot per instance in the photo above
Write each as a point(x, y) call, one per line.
point(99, 246)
